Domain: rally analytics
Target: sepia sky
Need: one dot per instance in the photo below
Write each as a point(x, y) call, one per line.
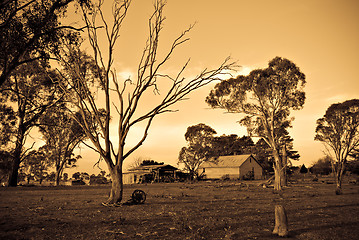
point(320, 36)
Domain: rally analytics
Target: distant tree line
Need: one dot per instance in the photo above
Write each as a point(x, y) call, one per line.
point(323, 166)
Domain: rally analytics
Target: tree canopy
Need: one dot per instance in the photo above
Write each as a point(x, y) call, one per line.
point(322, 166)
point(62, 134)
point(30, 30)
point(339, 131)
point(266, 97)
point(28, 93)
point(200, 147)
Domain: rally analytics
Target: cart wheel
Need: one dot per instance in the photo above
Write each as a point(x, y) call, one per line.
point(138, 196)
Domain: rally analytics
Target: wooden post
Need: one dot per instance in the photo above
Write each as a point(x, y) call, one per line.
point(281, 221)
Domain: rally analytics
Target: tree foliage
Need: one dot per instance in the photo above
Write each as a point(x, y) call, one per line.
point(226, 145)
point(303, 169)
point(266, 97)
point(62, 134)
point(5, 165)
point(28, 94)
point(36, 164)
point(199, 148)
point(339, 131)
point(322, 166)
point(30, 30)
point(150, 162)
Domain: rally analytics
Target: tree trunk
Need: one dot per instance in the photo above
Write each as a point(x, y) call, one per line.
point(338, 175)
point(281, 221)
point(14, 172)
point(116, 193)
point(338, 179)
point(17, 151)
point(283, 171)
point(278, 175)
point(277, 178)
point(16, 161)
point(57, 177)
point(283, 176)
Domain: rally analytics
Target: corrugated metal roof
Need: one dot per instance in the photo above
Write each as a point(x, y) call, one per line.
point(151, 167)
point(227, 161)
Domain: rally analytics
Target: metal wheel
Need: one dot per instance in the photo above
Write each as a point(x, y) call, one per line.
point(138, 196)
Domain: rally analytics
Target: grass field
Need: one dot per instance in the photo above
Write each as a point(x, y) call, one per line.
point(204, 210)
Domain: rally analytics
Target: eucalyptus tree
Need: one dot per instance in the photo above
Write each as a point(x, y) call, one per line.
point(28, 92)
point(36, 163)
point(30, 30)
point(7, 128)
point(200, 148)
point(62, 134)
point(93, 84)
point(233, 145)
point(338, 129)
point(265, 97)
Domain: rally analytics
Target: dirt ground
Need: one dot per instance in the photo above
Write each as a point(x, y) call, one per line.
point(204, 210)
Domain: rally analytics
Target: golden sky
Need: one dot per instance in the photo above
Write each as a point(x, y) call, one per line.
point(320, 36)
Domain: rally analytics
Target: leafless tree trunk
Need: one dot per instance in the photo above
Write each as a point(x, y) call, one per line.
point(128, 92)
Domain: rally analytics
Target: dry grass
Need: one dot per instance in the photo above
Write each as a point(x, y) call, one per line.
point(217, 210)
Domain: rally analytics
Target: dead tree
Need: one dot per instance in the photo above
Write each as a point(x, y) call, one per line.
point(121, 98)
point(281, 221)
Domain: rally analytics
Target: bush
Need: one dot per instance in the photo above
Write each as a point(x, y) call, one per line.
point(78, 182)
point(322, 166)
point(98, 180)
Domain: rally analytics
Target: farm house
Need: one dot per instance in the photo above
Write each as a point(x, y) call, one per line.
point(233, 167)
point(150, 173)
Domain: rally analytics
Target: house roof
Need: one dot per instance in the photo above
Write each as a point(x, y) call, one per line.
point(227, 161)
point(152, 167)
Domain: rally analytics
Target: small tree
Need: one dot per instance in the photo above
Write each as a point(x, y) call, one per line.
point(36, 164)
point(266, 97)
point(303, 169)
point(65, 176)
point(339, 131)
point(199, 149)
point(76, 175)
point(62, 135)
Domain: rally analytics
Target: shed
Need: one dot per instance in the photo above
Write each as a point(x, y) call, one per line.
point(232, 167)
point(150, 173)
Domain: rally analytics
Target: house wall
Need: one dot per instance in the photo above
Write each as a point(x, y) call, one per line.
point(234, 172)
point(128, 178)
point(251, 165)
point(219, 172)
